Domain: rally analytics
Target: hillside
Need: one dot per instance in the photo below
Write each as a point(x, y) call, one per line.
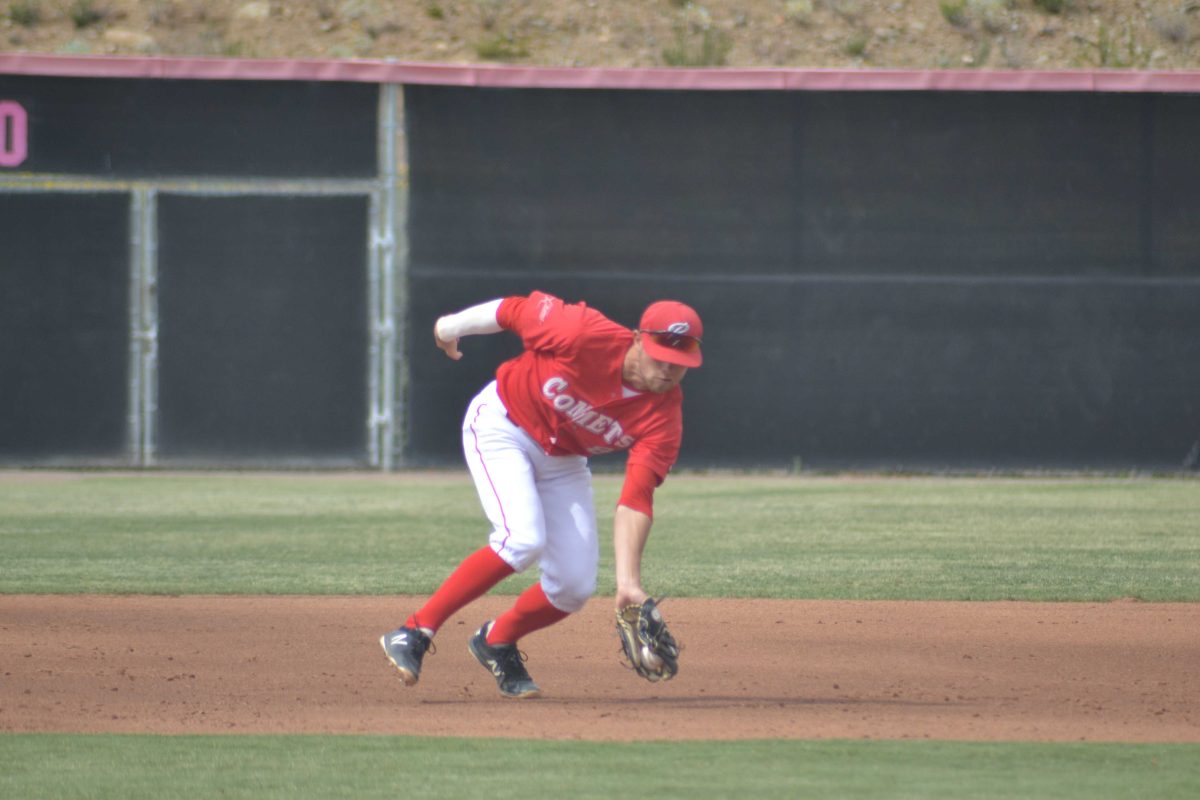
point(911, 34)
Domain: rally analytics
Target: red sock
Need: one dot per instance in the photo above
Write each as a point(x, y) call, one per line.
point(530, 613)
point(478, 572)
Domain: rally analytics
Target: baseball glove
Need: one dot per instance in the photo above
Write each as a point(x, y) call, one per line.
point(647, 642)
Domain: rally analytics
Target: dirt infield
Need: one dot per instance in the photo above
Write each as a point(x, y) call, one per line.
point(751, 669)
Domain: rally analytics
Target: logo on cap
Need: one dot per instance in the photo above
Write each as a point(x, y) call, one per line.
point(679, 328)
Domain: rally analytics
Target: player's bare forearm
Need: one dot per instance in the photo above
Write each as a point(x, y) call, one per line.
point(631, 529)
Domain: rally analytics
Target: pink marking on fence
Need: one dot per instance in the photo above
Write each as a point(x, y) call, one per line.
point(14, 134)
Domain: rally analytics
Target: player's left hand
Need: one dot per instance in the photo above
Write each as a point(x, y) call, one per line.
point(448, 346)
point(632, 596)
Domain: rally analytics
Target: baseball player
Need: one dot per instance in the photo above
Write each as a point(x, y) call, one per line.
point(583, 386)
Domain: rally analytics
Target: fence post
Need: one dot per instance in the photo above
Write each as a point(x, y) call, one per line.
point(143, 316)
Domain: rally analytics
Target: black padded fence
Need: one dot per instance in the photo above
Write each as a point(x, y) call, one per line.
point(184, 270)
point(215, 271)
point(926, 280)
point(263, 333)
point(154, 128)
point(64, 326)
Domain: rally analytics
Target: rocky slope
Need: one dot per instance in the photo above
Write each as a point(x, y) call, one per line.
point(911, 34)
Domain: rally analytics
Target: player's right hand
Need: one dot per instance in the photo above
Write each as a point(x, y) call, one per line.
point(448, 346)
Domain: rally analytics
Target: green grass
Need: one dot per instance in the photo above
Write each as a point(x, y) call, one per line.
point(232, 534)
point(955, 539)
point(739, 536)
point(501, 48)
point(710, 50)
point(363, 767)
point(25, 13)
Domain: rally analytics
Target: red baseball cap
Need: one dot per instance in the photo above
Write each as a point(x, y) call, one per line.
point(671, 332)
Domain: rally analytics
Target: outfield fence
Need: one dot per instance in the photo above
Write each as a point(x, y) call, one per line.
point(221, 262)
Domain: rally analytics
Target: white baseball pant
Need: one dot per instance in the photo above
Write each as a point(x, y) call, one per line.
point(540, 506)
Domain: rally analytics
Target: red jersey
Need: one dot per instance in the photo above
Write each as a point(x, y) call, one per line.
point(566, 390)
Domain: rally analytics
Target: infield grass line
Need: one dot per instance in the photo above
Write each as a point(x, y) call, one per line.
point(133, 766)
point(872, 538)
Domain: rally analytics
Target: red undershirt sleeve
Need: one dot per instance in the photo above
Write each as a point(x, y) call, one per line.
point(638, 491)
point(508, 311)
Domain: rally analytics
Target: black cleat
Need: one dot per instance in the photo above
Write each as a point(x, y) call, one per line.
point(405, 647)
point(505, 662)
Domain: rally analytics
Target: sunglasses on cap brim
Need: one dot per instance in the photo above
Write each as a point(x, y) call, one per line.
point(674, 341)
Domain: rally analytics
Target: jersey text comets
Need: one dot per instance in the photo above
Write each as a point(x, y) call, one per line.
point(585, 416)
